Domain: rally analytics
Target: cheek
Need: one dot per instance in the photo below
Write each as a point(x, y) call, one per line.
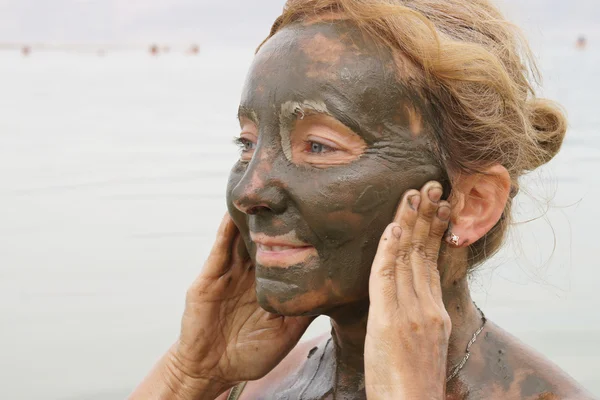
point(340, 223)
point(341, 204)
point(238, 217)
point(347, 208)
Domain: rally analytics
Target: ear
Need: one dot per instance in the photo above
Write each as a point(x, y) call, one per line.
point(477, 202)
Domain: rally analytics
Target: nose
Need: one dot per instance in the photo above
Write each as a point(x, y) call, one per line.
point(260, 189)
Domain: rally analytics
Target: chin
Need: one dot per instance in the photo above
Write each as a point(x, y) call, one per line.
point(310, 303)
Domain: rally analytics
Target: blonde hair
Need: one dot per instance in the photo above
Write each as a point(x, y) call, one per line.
point(479, 74)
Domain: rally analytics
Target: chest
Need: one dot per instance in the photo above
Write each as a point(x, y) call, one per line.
point(319, 379)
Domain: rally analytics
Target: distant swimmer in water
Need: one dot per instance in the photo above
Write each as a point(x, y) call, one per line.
point(154, 50)
point(581, 42)
point(26, 50)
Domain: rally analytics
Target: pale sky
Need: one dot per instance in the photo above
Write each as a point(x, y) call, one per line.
point(240, 22)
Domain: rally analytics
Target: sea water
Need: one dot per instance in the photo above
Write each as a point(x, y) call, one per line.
point(112, 179)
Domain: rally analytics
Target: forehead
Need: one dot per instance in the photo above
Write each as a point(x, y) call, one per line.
point(330, 62)
point(322, 48)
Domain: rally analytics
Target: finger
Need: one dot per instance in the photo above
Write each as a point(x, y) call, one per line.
point(218, 260)
point(382, 281)
point(406, 217)
point(421, 261)
point(241, 250)
point(439, 226)
point(240, 259)
point(431, 195)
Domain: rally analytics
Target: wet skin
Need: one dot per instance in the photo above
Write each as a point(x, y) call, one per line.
point(303, 82)
point(316, 87)
point(500, 368)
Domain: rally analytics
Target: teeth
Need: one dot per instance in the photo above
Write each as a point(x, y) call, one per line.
point(274, 248)
point(281, 248)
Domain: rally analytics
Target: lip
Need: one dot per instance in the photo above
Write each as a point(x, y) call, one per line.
point(280, 251)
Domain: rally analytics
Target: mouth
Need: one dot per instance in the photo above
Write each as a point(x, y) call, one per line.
point(281, 251)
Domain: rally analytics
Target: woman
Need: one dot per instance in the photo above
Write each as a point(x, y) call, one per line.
point(350, 107)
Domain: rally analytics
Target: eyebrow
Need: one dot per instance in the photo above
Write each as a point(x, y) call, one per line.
point(348, 121)
point(290, 111)
point(318, 107)
point(245, 112)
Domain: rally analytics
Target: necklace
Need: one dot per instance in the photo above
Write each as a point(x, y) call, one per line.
point(462, 362)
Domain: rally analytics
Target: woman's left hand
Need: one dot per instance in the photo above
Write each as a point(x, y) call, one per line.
point(408, 327)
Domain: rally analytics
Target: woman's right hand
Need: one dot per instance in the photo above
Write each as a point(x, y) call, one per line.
point(226, 337)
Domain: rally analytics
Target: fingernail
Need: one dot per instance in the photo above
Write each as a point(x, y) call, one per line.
point(435, 194)
point(414, 202)
point(397, 231)
point(443, 213)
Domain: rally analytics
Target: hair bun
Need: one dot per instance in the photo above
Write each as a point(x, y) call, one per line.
point(549, 126)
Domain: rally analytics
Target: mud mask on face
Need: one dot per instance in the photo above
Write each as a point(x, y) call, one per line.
point(289, 197)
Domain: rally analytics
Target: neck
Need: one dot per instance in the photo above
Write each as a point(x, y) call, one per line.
point(349, 327)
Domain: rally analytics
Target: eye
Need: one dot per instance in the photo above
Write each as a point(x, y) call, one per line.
point(318, 148)
point(244, 144)
point(246, 147)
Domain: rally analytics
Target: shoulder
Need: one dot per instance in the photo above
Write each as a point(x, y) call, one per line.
point(503, 367)
point(288, 366)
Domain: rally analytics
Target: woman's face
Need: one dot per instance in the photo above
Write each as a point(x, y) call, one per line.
point(331, 139)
